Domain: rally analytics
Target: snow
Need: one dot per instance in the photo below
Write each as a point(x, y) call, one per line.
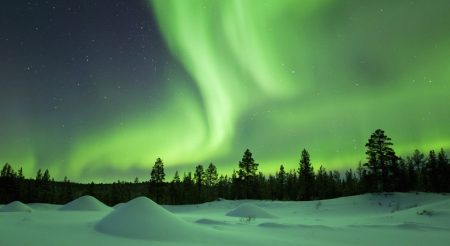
point(85, 203)
point(370, 219)
point(142, 218)
point(250, 211)
point(16, 206)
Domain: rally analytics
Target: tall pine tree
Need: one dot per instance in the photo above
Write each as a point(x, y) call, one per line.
point(247, 173)
point(157, 177)
point(306, 177)
point(380, 157)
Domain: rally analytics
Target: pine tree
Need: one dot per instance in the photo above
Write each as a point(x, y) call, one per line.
point(400, 176)
point(211, 179)
point(157, 177)
point(9, 187)
point(444, 170)
point(236, 186)
point(432, 172)
point(322, 184)
point(20, 174)
point(199, 178)
point(175, 189)
point(46, 176)
point(176, 178)
point(199, 175)
point(350, 183)
point(306, 177)
point(188, 188)
point(380, 157)
point(224, 187)
point(418, 163)
point(280, 183)
point(247, 173)
point(292, 185)
point(39, 175)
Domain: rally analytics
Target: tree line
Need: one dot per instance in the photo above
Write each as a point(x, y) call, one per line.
point(383, 171)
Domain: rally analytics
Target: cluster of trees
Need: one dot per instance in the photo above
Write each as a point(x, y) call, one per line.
point(383, 171)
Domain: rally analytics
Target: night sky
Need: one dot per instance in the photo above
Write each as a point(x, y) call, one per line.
point(97, 90)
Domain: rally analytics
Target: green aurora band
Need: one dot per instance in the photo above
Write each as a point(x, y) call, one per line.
point(276, 77)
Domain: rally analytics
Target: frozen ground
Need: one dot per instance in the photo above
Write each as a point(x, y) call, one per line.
point(398, 218)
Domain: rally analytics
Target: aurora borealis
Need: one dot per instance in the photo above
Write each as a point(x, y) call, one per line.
point(97, 90)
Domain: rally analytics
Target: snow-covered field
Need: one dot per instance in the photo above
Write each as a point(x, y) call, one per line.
point(371, 219)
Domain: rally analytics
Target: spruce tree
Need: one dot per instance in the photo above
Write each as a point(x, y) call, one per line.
point(418, 162)
point(444, 170)
point(211, 179)
point(39, 175)
point(306, 176)
point(157, 177)
point(322, 184)
point(380, 157)
point(175, 189)
point(247, 173)
point(20, 175)
point(432, 172)
point(211, 175)
point(188, 188)
point(292, 185)
point(280, 183)
point(199, 179)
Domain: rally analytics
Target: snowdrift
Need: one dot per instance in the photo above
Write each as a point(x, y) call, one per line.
point(16, 206)
point(141, 218)
point(85, 203)
point(249, 210)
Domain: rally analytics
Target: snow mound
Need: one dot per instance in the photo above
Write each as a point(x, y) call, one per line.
point(85, 203)
point(16, 206)
point(250, 210)
point(142, 218)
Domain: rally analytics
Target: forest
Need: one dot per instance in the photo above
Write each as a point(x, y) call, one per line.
point(383, 171)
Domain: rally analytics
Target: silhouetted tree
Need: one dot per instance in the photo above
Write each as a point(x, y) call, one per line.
point(211, 175)
point(400, 175)
point(157, 177)
point(236, 186)
point(418, 163)
point(322, 184)
point(380, 157)
point(224, 187)
point(188, 188)
point(280, 183)
point(306, 177)
point(9, 184)
point(199, 178)
point(39, 175)
point(432, 172)
point(443, 168)
point(176, 189)
point(350, 183)
point(247, 172)
point(292, 185)
point(211, 179)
